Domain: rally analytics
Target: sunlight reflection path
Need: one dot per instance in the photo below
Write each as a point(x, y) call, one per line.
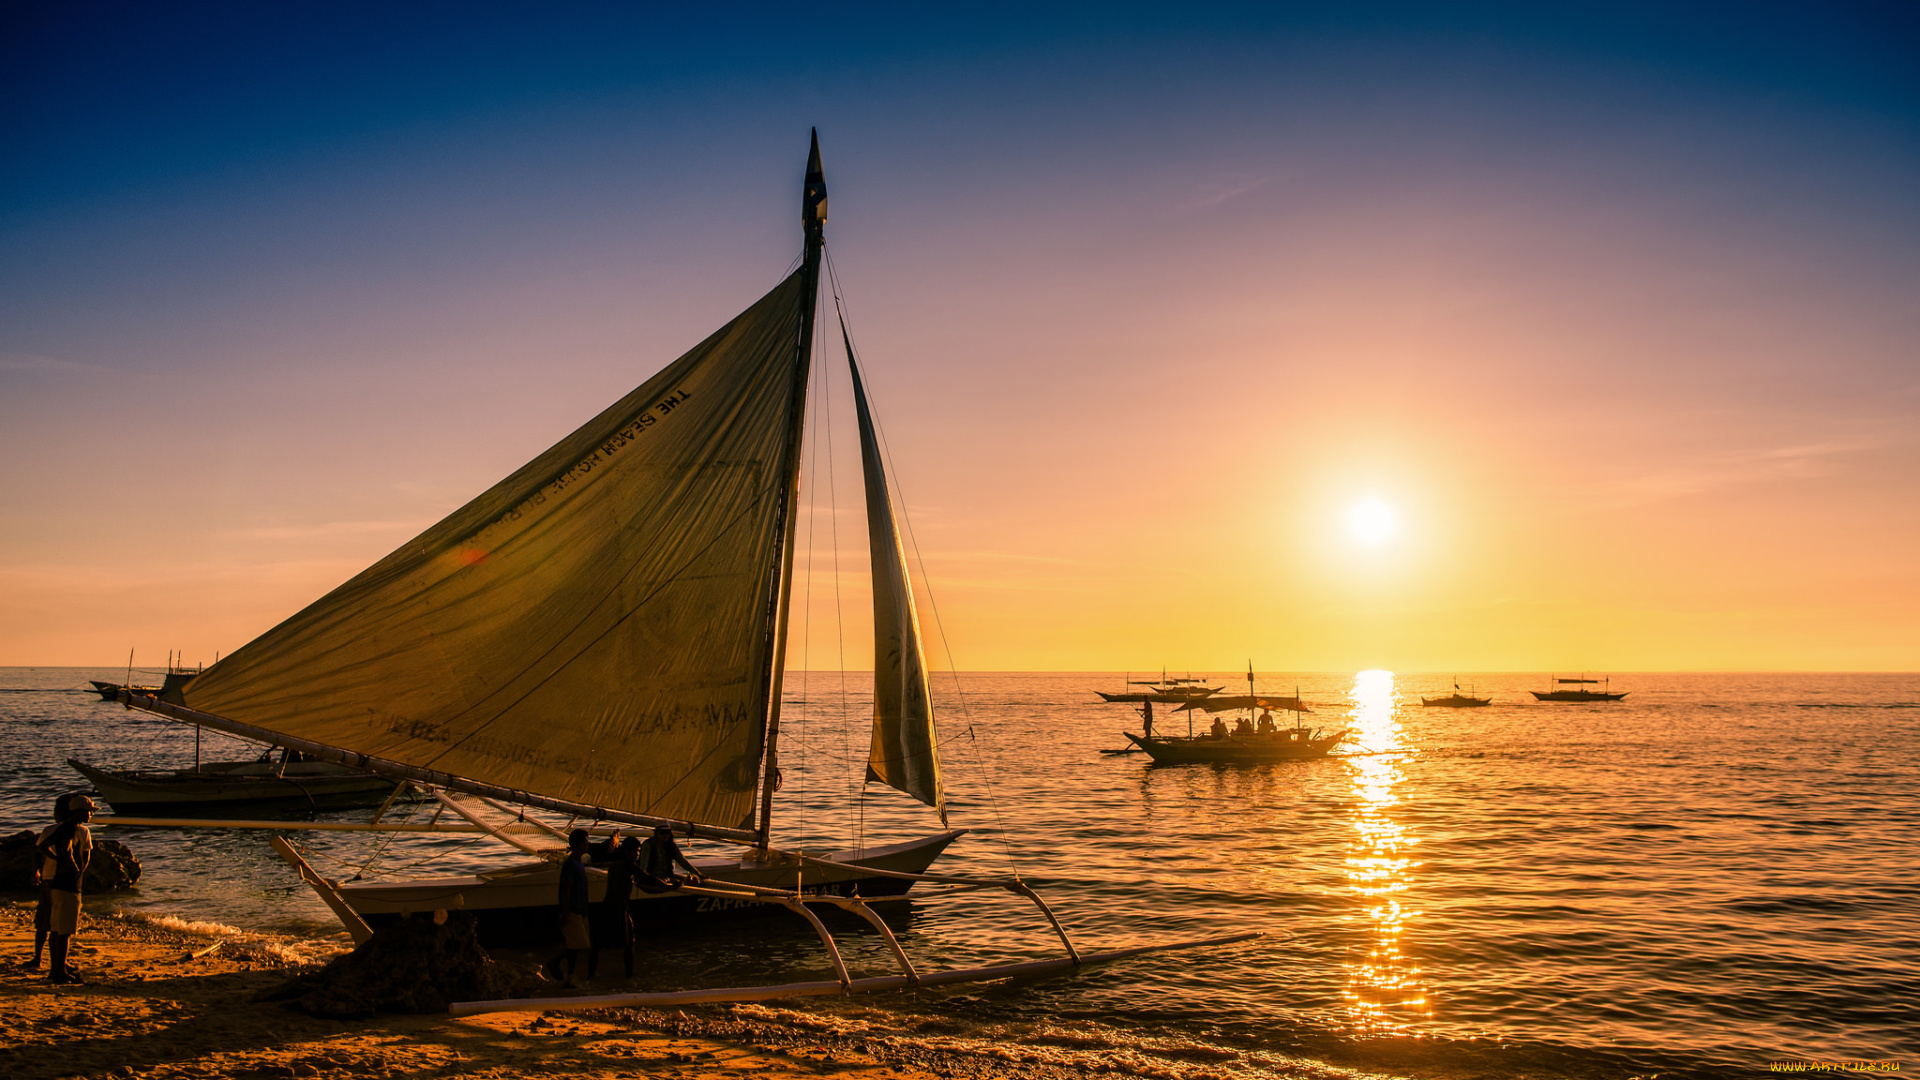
point(1384, 989)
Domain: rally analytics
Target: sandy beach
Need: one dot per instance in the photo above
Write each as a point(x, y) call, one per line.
point(152, 1008)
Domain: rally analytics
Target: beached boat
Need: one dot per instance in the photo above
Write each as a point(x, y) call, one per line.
point(1580, 696)
point(1456, 700)
point(603, 634)
point(238, 787)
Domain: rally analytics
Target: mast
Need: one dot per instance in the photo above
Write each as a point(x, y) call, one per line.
point(813, 218)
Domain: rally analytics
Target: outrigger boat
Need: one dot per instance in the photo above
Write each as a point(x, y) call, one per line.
point(1165, 689)
point(1251, 744)
point(1580, 696)
point(262, 785)
point(1456, 700)
point(603, 635)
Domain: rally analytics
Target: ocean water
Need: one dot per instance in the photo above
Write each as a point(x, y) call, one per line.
point(1718, 873)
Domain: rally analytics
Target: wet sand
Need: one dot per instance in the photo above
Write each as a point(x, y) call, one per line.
point(150, 1008)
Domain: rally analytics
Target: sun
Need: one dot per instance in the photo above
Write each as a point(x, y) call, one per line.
point(1372, 522)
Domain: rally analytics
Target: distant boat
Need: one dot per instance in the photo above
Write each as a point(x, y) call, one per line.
point(262, 785)
point(1166, 689)
point(111, 691)
point(175, 676)
point(1456, 700)
point(1580, 696)
point(1248, 743)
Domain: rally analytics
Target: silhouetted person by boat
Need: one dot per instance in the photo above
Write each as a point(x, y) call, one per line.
point(1146, 717)
point(658, 858)
point(1266, 726)
point(618, 903)
point(1219, 730)
point(43, 870)
point(66, 852)
point(1243, 726)
point(576, 938)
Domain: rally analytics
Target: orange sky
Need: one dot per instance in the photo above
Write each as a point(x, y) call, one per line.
point(1632, 350)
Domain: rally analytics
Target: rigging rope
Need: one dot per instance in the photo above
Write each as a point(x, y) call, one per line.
point(926, 581)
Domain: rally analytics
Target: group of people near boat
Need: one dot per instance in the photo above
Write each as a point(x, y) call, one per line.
point(60, 856)
point(629, 863)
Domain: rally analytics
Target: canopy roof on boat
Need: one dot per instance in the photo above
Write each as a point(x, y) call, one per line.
point(1230, 702)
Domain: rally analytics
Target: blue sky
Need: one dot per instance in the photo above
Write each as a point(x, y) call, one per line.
point(351, 263)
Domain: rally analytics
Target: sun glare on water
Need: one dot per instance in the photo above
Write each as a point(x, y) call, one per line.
point(1372, 522)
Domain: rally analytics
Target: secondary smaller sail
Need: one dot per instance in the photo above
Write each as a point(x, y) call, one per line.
point(905, 753)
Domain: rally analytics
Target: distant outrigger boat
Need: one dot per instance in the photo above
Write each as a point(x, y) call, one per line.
point(1456, 700)
point(1580, 696)
point(258, 785)
point(1247, 745)
point(1167, 689)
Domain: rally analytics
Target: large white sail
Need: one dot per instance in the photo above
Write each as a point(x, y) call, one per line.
point(595, 627)
point(905, 751)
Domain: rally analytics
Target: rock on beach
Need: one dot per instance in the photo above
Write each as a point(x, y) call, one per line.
point(414, 965)
point(112, 868)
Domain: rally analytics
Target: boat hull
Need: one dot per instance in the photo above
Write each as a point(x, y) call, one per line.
point(1237, 749)
point(1455, 701)
point(233, 786)
point(517, 905)
point(111, 691)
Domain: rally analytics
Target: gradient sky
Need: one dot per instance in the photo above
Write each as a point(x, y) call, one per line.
point(1619, 311)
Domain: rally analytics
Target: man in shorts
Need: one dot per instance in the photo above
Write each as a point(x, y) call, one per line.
point(69, 847)
point(575, 934)
point(42, 880)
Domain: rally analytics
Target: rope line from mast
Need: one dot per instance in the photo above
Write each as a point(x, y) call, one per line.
point(926, 581)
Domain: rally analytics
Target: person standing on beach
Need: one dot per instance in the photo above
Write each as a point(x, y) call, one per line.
point(575, 935)
point(619, 914)
point(43, 870)
point(69, 847)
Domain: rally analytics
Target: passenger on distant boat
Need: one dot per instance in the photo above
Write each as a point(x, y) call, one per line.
point(68, 848)
point(1219, 728)
point(1146, 716)
point(1266, 723)
point(575, 936)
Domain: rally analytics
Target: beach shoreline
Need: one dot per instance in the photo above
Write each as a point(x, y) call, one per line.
point(157, 1003)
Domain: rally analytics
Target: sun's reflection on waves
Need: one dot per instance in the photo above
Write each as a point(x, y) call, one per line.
point(1384, 989)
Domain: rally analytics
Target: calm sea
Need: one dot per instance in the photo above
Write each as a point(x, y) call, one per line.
point(1718, 873)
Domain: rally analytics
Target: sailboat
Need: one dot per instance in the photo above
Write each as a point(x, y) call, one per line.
point(603, 634)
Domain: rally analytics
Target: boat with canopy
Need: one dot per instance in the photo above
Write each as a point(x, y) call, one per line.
point(603, 634)
point(1580, 695)
point(1249, 742)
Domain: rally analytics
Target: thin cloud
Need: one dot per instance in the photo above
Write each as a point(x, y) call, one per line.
point(328, 530)
point(34, 362)
point(1794, 462)
point(1217, 193)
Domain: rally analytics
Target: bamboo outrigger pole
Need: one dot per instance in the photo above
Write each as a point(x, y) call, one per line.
point(816, 989)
